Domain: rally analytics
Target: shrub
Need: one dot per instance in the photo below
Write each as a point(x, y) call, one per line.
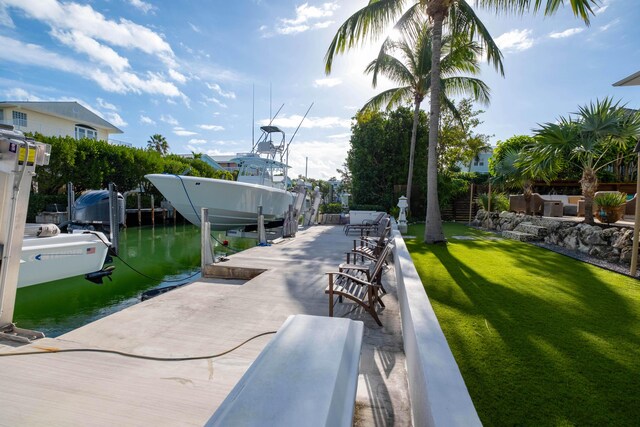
point(499, 201)
point(331, 208)
point(358, 207)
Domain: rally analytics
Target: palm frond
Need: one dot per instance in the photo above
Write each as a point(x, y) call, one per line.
point(368, 22)
point(388, 98)
point(580, 8)
point(462, 18)
point(467, 86)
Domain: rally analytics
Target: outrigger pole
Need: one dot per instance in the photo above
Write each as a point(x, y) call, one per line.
point(294, 134)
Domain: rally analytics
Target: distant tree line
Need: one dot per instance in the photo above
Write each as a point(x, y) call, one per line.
point(91, 164)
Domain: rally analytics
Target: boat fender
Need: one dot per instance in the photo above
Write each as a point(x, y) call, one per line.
point(48, 230)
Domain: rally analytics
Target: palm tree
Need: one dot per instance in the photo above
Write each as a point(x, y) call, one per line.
point(509, 174)
point(158, 143)
point(373, 19)
point(412, 72)
point(584, 142)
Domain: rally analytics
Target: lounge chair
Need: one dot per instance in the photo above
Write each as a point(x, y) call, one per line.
point(362, 286)
point(370, 247)
point(365, 225)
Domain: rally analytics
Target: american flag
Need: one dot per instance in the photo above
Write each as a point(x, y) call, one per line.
point(91, 250)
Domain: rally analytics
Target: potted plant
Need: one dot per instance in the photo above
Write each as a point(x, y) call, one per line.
point(610, 206)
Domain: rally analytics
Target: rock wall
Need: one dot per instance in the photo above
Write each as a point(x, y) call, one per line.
point(610, 243)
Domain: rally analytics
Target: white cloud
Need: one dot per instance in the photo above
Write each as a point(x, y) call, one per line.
point(515, 41)
point(211, 127)
point(197, 141)
point(5, 19)
point(143, 6)
point(217, 89)
point(92, 24)
point(327, 82)
point(324, 158)
point(292, 122)
point(115, 119)
point(216, 101)
point(183, 132)
point(147, 120)
point(340, 136)
point(18, 94)
point(611, 24)
point(175, 75)
point(104, 104)
point(566, 33)
point(307, 18)
point(167, 118)
point(195, 28)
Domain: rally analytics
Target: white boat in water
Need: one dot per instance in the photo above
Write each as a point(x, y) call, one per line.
point(261, 183)
point(61, 255)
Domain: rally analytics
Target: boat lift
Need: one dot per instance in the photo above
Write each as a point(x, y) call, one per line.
point(19, 157)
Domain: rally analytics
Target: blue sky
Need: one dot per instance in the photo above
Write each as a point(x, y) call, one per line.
point(187, 69)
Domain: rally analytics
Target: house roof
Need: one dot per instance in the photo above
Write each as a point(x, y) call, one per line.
point(632, 80)
point(66, 110)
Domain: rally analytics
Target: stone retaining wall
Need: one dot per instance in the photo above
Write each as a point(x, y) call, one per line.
point(612, 244)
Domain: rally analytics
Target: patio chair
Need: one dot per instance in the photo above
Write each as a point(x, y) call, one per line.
point(369, 248)
point(365, 225)
point(363, 286)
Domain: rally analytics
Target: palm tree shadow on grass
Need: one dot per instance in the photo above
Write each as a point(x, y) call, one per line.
point(558, 345)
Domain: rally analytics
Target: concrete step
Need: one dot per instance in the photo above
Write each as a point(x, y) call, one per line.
point(519, 235)
point(536, 230)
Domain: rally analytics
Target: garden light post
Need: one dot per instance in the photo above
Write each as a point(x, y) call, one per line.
point(636, 223)
point(402, 216)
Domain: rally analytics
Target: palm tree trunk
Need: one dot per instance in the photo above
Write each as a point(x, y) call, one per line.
point(589, 184)
point(527, 196)
point(433, 232)
point(412, 149)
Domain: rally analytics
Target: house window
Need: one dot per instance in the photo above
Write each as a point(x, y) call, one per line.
point(20, 119)
point(86, 132)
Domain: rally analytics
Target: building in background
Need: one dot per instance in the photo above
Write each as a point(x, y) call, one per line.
point(56, 119)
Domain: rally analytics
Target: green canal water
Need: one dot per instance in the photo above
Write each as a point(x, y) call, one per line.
point(161, 256)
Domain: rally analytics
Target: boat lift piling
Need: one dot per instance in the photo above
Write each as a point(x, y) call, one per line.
point(206, 250)
point(262, 232)
point(19, 157)
point(114, 223)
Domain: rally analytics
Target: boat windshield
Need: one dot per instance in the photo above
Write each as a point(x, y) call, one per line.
point(261, 171)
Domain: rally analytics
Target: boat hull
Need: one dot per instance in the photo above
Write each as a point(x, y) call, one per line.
point(231, 204)
point(46, 259)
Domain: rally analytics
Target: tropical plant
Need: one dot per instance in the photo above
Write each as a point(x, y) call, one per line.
point(373, 19)
point(499, 202)
point(412, 68)
point(158, 143)
point(610, 200)
point(507, 171)
point(583, 142)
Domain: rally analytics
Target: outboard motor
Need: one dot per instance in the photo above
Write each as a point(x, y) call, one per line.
point(92, 209)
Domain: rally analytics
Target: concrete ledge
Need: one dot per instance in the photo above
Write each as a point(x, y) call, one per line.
point(216, 271)
point(306, 375)
point(439, 396)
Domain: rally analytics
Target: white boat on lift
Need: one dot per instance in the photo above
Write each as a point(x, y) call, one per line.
point(49, 255)
point(261, 183)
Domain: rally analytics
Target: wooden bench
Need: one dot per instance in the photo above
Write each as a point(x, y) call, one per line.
point(361, 285)
point(306, 375)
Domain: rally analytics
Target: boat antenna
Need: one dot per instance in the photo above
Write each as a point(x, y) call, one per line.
point(300, 124)
point(253, 114)
point(277, 112)
point(270, 118)
point(286, 150)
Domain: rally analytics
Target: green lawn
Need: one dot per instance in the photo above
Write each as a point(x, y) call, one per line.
point(540, 338)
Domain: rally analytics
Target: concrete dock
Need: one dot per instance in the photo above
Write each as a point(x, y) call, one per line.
point(206, 317)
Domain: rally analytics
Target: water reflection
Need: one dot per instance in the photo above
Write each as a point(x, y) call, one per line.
point(161, 256)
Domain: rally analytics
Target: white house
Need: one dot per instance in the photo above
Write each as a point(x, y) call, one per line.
point(480, 164)
point(56, 119)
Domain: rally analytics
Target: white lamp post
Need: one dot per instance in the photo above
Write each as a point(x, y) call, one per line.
point(402, 218)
